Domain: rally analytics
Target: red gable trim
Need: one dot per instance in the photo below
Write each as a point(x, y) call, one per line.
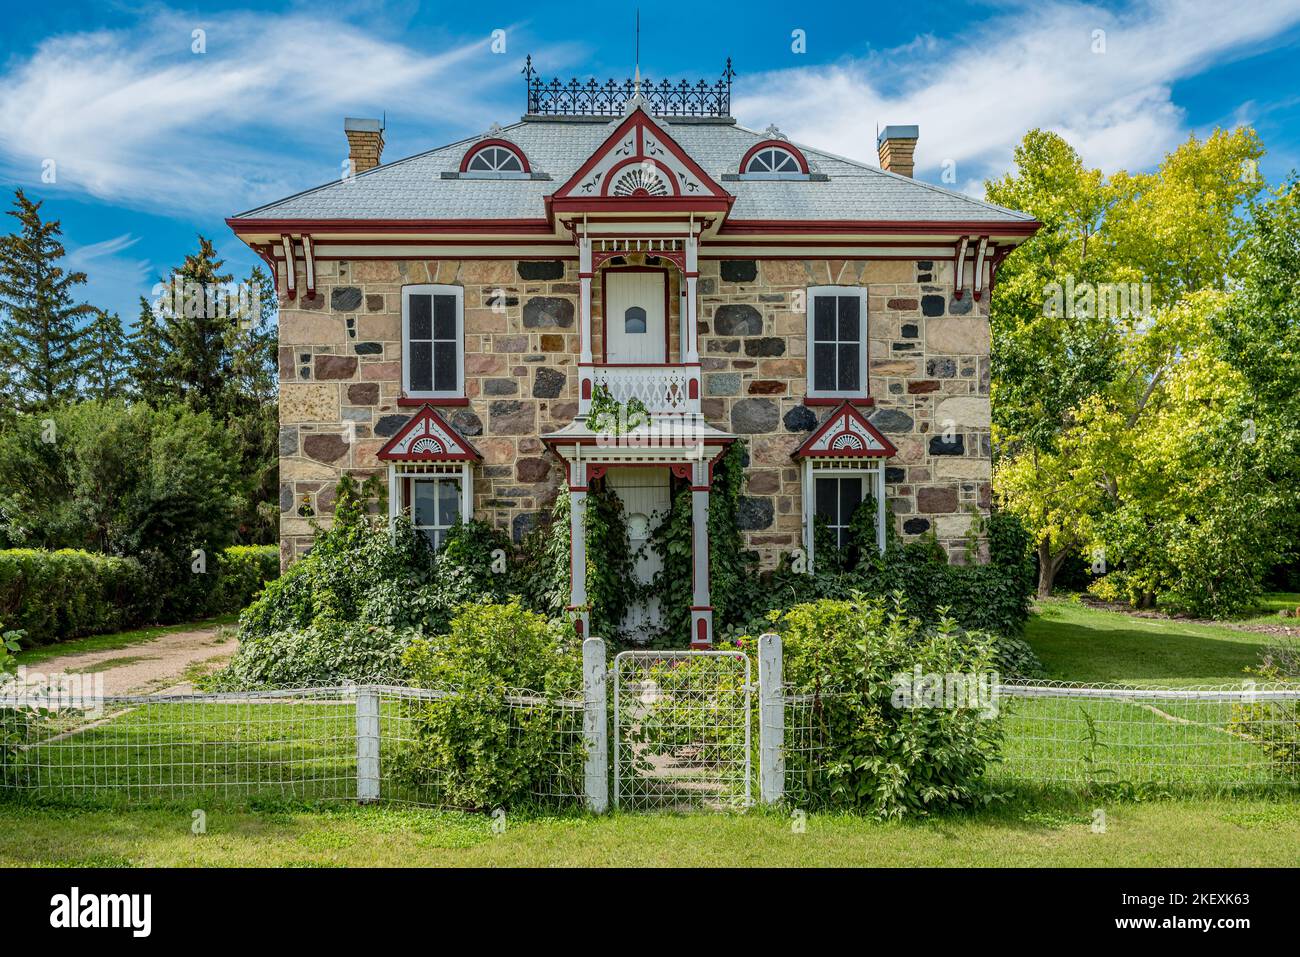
point(428, 437)
point(846, 433)
point(639, 121)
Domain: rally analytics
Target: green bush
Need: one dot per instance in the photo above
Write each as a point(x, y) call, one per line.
point(322, 654)
point(480, 751)
point(57, 595)
point(68, 594)
point(879, 755)
point(242, 572)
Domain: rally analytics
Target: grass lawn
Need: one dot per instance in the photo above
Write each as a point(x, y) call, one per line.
point(1078, 643)
point(1165, 833)
point(215, 759)
point(119, 639)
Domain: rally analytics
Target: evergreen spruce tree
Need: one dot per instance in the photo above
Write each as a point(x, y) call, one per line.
point(104, 357)
point(197, 330)
point(146, 350)
point(41, 333)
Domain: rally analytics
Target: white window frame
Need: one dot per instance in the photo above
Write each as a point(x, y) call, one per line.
point(813, 294)
point(433, 289)
point(872, 473)
point(399, 473)
point(796, 173)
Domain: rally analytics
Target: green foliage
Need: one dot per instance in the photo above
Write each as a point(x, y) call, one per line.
point(105, 366)
point(68, 594)
point(242, 572)
point(57, 595)
point(330, 652)
point(611, 417)
point(479, 750)
point(41, 341)
point(884, 757)
point(611, 581)
point(734, 585)
point(992, 597)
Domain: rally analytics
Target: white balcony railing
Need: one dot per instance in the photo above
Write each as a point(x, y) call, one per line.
point(662, 389)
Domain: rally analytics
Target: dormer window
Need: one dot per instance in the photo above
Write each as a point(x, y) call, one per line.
point(774, 159)
point(494, 159)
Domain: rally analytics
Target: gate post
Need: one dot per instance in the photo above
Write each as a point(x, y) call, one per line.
point(771, 719)
point(367, 744)
point(595, 726)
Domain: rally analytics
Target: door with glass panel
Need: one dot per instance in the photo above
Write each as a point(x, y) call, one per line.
point(635, 320)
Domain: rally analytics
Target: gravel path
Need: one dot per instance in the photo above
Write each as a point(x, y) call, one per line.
point(150, 666)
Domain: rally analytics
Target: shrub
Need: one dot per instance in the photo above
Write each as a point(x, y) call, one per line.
point(1016, 659)
point(481, 751)
point(889, 760)
point(242, 572)
point(321, 654)
point(67, 594)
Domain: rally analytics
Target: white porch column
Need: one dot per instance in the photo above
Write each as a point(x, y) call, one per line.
point(584, 297)
point(578, 548)
point(809, 514)
point(880, 506)
point(690, 334)
point(701, 604)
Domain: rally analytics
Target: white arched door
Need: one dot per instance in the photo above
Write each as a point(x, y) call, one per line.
point(635, 320)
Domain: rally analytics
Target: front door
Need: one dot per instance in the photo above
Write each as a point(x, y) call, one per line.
point(644, 492)
point(635, 321)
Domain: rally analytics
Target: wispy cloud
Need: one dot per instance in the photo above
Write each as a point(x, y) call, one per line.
point(114, 278)
point(136, 117)
point(975, 94)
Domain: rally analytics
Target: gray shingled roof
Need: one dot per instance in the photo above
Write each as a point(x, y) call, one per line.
point(413, 188)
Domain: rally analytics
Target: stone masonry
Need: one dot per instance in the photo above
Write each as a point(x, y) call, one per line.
point(340, 375)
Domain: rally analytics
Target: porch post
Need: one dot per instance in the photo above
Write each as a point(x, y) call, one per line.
point(690, 334)
point(701, 606)
point(584, 297)
point(880, 506)
point(578, 548)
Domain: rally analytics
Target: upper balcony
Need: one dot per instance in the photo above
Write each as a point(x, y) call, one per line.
point(663, 388)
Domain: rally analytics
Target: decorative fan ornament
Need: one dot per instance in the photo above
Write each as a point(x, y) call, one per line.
point(427, 444)
point(639, 181)
point(847, 441)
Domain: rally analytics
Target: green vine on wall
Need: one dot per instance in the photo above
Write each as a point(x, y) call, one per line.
point(611, 417)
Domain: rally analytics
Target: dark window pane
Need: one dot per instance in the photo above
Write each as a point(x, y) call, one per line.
point(848, 367)
point(634, 320)
point(448, 502)
point(850, 306)
point(444, 317)
point(826, 499)
point(444, 367)
point(421, 317)
point(423, 513)
point(824, 318)
point(850, 498)
point(421, 366)
point(824, 367)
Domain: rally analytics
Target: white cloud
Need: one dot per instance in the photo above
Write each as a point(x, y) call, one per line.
point(975, 94)
point(134, 117)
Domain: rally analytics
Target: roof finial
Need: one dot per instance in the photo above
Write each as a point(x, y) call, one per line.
point(637, 88)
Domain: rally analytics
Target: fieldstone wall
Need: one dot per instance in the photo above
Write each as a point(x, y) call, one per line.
point(928, 367)
point(340, 381)
point(340, 375)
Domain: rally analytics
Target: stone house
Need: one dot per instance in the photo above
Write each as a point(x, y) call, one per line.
point(451, 321)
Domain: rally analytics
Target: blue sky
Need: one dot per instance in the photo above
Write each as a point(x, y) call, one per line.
point(153, 143)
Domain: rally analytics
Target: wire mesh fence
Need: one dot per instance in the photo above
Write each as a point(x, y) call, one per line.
point(345, 742)
point(1185, 740)
point(685, 735)
point(682, 730)
point(1057, 735)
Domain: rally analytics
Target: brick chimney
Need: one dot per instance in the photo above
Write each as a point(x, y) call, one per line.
point(365, 143)
point(896, 144)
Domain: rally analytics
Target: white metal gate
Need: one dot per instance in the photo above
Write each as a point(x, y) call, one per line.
point(682, 723)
